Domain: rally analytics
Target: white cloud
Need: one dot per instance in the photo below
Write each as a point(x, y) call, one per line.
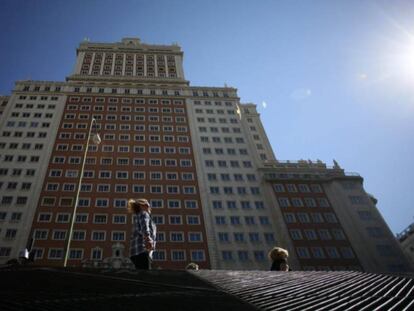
point(301, 94)
point(264, 104)
point(362, 76)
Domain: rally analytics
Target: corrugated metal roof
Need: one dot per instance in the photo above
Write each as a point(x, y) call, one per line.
point(34, 288)
point(59, 289)
point(319, 290)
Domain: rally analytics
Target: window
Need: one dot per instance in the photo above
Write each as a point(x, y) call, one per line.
point(338, 234)
point(269, 237)
point(316, 188)
point(227, 255)
point(259, 255)
point(118, 236)
point(254, 237)
point(197, 255)
point(238, 236)
point(295, 234)
point(220, 220)
point(324, 234)
point(193, 220)
point(175, 220)
point(55, 253)
point(283, 202)
point(176, 237)
point(332, 252)
point(278, 188)
point(302, 252)
point(317, 252)
point(297, 202)
point(289, 217)
point(10, 234)
point(178, 255)
point(100, 219)
point(310, 202)
point(310, 234)
point(249, 220)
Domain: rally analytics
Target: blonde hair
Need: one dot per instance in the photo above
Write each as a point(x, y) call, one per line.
point(134, 205)
point(192, 266)
point(278, 253)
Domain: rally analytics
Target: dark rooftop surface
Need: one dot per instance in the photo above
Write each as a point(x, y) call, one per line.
point(59, 289)
point(35, 288)
point(317, 290)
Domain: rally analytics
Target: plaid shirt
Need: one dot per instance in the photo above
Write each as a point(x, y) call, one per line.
point(142, 225)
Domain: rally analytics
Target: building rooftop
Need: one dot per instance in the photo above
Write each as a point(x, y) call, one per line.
point(36, 288)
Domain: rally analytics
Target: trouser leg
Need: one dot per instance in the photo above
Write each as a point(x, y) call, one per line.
point(142, 261)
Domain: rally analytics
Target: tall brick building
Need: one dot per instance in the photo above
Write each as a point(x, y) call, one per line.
point(219, 195)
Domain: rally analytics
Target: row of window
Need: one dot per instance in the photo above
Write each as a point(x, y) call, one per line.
point(21, 124)
point(230, 177)
point(150, 71)
point(14, 216)
point(24, 146)
point(9, 200)
point(18, 171)
point(28, 134)
point(102, 235)
point(215, 111)
point(12, 185)
point(138, 175)
point(241, 237)
point(134, 162)
point(302, 202)
point(135, 149)
point(236, 190)
point(21, 158)
point(238, 220)
point(136, 138)
point(231, 163)
point(218, 139)
point(313, 234)
point(116, 203)
point(128, 118)
point(33, 97)
point(230, 204)
point(116, 218)
point(304, 188)
point(243, 255)
point(116, 100)
point(228, 151)
point(216, 103)
point(325, 252)
point(29, 115)
point(310, 218)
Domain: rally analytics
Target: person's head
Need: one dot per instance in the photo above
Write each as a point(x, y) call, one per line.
point(137, 205)
point(192, 266)
point(278, 253)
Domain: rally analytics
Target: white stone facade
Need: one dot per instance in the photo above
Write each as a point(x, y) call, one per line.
point(28, 128)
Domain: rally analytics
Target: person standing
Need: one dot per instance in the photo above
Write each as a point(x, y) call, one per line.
point(144, 231)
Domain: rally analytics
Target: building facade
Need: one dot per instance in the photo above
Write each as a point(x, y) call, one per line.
point(219, 195)
point(406, 239)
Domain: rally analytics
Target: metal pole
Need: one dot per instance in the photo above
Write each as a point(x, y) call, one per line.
point(73, 218)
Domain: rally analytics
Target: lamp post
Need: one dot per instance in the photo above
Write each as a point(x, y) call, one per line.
point(96, 139)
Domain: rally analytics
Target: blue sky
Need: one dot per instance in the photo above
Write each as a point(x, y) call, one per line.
point(336, 77)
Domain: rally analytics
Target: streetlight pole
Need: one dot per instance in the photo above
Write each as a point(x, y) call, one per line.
point(96, 140)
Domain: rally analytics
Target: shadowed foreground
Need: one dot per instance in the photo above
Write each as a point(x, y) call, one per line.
point(34, 288)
